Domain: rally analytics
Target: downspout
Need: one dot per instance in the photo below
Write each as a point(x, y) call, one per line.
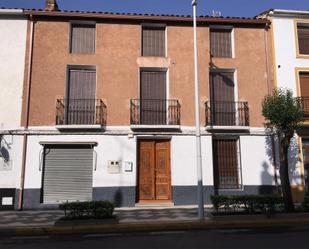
point(25, 140)
point(269, 90)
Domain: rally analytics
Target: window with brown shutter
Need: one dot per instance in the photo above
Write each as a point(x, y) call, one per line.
point(226, 166)
point(82, 38)
point(221, 43)
point(303, 38)
point(153, 41)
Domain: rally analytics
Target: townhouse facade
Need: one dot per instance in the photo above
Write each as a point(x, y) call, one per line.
point(108, 109)
point(290, 32)
point(13, 32)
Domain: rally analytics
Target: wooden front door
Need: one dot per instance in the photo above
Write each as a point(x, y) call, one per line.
point(154, 170)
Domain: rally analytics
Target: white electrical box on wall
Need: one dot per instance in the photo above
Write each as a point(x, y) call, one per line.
point(114, 167)
point(128, 166)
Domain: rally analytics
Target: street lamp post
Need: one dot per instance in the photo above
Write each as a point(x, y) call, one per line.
point(200, 198)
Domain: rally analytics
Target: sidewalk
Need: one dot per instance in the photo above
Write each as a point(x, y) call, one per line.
point(137, 220)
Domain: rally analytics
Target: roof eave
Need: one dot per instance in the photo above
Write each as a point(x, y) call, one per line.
point(140, 17)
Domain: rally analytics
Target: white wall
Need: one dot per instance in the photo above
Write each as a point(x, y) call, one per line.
point(256, 165)
point(10, 174)
point(108, 148)
point(256, 160)
point(183, 161)
point(12, 61)
point(286, 56)
point(285, 53)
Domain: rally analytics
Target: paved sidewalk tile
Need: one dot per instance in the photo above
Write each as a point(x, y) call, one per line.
point(9, 219)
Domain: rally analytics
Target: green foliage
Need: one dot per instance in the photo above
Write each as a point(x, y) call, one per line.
point(282, 111)
point(88, 209)
point(247, 203)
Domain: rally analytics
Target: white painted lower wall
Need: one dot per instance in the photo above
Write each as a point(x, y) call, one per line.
point(256, 163)
point(11, 146)
point(183, 160)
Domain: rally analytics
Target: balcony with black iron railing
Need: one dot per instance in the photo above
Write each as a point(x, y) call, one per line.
point(80, 113)
point(154, 113)
point(304, 102)
point(227, 114)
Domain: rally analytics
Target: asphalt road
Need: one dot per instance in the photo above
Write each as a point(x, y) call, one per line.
point(294, 238)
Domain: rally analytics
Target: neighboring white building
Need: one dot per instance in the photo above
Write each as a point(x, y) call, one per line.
point(13, 32)
point(290, 31)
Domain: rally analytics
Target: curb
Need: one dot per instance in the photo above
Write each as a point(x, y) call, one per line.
point(149, 227)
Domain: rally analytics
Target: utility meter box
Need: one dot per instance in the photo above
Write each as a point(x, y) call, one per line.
point(114, 167)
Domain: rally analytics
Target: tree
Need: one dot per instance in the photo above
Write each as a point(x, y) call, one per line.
point(284, 114)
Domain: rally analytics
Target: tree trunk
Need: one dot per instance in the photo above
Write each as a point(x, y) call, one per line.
point(284, 175)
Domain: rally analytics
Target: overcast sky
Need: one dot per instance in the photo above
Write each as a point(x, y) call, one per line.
point(245, 8)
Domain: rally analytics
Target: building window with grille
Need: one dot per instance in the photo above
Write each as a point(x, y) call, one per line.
point(303, 38)
point(153, 41)
point(221, 43)
point(226, 161)
point(82, 38)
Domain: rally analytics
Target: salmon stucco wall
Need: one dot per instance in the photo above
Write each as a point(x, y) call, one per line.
point(118, 61)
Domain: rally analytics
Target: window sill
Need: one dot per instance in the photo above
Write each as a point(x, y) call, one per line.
point(234, 128)
point(155, 127)
point(79, 127)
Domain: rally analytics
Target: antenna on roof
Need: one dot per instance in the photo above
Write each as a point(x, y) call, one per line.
point(216, 13)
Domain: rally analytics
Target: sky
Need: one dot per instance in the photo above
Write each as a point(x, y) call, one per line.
point(241, 8)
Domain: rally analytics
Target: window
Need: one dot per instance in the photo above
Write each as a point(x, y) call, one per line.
point(221, 42)
point(303, 38)
point(153, 97)
point(222, 98)
point(226, 163)
point(82, 38)
point(153, 41)
point(304, 92)
point(81, 92)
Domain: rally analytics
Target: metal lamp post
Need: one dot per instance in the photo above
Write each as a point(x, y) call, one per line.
point(200, 198)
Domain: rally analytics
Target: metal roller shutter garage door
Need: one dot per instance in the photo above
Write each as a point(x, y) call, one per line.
point(67, 173)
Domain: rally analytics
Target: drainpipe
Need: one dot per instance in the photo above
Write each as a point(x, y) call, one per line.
point(267, 52)
point(25, 140)
point(269, 89)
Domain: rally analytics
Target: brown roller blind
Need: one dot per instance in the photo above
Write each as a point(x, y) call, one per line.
point(82, 84)
point(303, 38)
point(80, 103)
point(220, 43)
point(83, 38)
point(226, 170)
point(153, 97)
point(153, 41)
point(222, 99)
point(222, 86)
point(304, 84)
point(153, 85)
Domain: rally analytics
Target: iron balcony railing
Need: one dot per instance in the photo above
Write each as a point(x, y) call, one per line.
point(155, 112)
point(227, 113)
point(80, 112)
point(304, 102)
